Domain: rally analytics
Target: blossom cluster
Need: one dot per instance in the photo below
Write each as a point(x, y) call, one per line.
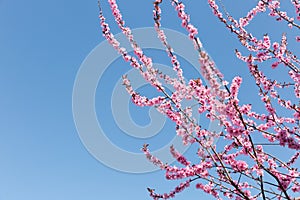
point(243, 167)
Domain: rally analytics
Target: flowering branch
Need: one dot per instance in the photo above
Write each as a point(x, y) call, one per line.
point(241, 169)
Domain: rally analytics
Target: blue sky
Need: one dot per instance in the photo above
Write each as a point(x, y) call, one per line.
point(43, 44)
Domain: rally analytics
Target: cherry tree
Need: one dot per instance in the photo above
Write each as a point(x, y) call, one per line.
point(242, 168)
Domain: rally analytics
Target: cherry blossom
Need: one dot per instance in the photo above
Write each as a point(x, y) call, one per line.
point(242, 167)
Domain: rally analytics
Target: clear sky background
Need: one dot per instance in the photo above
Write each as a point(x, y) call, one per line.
point(42, 46)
